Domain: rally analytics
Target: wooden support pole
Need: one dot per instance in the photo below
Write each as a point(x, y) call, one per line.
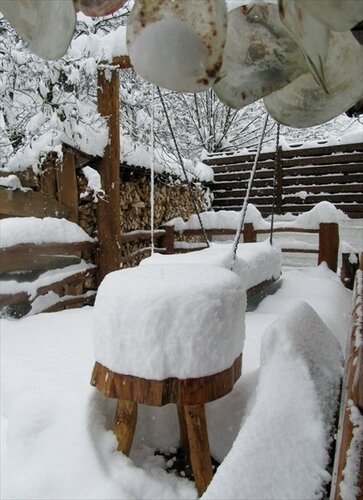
point(108, 207)
point(278, 181)
point(199, 446)
point(125, 424)
point(249, 233)
point(67, 183)
point(329, 244)
point(167, 241)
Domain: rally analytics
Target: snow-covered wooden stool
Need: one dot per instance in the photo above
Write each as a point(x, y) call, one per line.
point(169, 334)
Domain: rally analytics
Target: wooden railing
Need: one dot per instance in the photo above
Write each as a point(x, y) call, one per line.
point(328, 244)
point(72, 280)
point(349, 445)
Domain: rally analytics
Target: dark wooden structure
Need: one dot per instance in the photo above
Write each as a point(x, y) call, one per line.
point(303, 177)
point(352, 400)
point(190, 396)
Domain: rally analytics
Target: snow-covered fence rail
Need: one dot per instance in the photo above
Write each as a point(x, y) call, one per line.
point(142, 235)
point(328, 235)
point(294, 180)
point(44, 265)
point(348, 464)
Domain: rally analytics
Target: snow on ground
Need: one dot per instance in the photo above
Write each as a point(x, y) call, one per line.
point(56, 437)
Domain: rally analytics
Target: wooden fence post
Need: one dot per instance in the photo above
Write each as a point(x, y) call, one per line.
point(249, 233)
point(108, 207)
point(349, 267)
point(278, 184)
point(329, 244)
point(67, 189)
point(167, 241)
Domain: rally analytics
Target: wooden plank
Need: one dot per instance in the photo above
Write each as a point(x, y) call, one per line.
point(12, 298)
point(141, 252)
point(67, 184)
point(108, 207)
point(11, 257)
point(27, 262)
point(71, 302)
point(328, 169)
point(289, 153)
point(331, 197)
point(245, 167)
point(17, 203)
point(341, 179)
point(74, 278)
point(328, 188)
point(140, 235)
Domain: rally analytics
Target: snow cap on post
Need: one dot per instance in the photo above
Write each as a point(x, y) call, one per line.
point(178, 45)
point(259, 57)
point(303, 103)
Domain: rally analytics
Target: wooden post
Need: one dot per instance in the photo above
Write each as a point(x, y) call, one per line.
point(198, 446)
point(329, 244)
point(67, 184)
point(350, 264)
point(108, 208)
point(167, 241)
point(125, 424)
point(278, 185)
point(249, 233)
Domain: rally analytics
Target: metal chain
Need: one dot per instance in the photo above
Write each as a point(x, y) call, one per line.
point(275, 181)
point(245, 201)
point(196, 209)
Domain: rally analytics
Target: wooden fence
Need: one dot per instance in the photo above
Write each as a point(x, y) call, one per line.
point(348, 440)
point(328, 240)
point(292, 180)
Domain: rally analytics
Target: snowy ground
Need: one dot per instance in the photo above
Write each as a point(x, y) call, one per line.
point(56, 437)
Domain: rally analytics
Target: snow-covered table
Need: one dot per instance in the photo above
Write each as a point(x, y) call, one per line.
point(169, 334)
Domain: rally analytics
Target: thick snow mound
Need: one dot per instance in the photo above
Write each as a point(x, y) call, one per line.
point(161, 321)
point(16, 230)
point(281, 451)
point(255, 262)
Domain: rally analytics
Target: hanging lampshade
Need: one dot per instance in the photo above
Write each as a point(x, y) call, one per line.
point(337, 15)
point(177, 45)
point(47, 26)
point(259, 57)
point(311, 35)
point(303, 103)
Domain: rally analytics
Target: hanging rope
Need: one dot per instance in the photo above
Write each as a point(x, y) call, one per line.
point(192, 195)
point(152, 173)
point(245, 201)
point(275, 181)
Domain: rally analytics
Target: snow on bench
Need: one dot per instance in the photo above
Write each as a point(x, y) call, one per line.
point(255, 262)
point(161, 321)
point(282, 448)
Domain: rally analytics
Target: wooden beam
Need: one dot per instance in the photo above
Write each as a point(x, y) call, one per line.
point(108, 207)
point(67, 183)
point(18, 203)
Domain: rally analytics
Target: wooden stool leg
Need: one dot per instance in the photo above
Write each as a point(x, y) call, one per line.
point(184, 443)
point(125, 424)
point(198, 446)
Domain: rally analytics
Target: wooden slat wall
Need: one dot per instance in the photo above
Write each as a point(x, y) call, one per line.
point(331, 173)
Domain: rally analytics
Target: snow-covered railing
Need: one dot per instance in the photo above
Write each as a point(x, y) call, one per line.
point(41, 265)
point(348, 463)
point(327, 250)
point(137, 236)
